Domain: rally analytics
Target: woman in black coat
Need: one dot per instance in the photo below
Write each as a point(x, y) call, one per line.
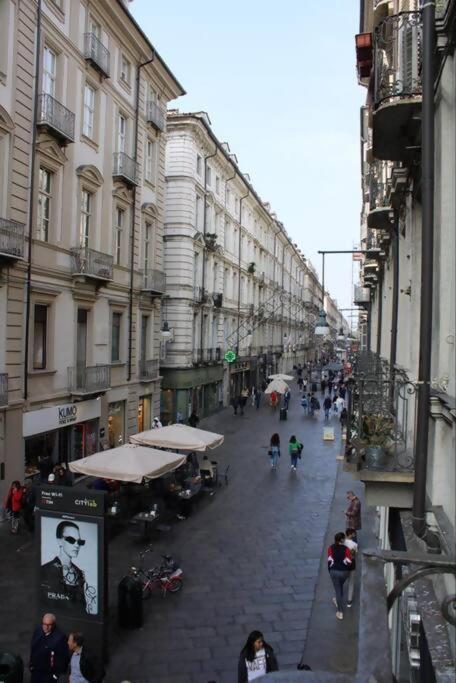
point(256, 658)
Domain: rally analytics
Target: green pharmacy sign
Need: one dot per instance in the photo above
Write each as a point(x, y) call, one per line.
point(230, 356)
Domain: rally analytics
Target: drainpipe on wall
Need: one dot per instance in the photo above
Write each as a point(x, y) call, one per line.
point(133, 221)
point(420, 526)
point(31, 196)
point(395, 304)
point(239, 270)
point(380, 311)
point(203, 266)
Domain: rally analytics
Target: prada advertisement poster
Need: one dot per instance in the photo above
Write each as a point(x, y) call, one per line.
point(72, 553)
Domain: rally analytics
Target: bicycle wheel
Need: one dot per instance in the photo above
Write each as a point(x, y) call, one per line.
point(175, 585)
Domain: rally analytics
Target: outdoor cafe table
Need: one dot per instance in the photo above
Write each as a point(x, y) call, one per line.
point(146, 521)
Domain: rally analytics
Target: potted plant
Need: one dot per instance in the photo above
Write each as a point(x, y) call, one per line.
point(375, 440)
point(251, 267)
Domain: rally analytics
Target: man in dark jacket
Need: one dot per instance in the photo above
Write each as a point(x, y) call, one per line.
point(83, 662)
point(48, 652)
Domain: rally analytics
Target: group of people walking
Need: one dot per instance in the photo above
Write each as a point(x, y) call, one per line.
point(342, 556)
point(295, 449)
point(53, 655)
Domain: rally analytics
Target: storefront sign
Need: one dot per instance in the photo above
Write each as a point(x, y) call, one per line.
point(48, 419)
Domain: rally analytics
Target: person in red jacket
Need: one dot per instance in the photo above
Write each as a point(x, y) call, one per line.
point(17, 496)
point(339, 563)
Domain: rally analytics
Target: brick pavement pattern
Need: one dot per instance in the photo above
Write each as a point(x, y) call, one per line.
point(250, 556)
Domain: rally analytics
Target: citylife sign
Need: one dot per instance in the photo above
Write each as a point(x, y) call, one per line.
point(49, 419)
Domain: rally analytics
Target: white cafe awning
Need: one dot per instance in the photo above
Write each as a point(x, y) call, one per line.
point(179, 436)
point(129, 463)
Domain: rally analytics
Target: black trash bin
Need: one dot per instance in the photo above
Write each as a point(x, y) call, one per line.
point(283, 413)
point(11, 668)
point(130, 603)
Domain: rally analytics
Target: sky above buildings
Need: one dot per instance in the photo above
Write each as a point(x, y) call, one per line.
point(279, 84)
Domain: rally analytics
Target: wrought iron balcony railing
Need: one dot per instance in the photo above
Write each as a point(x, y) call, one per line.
point(397, 57)
point(155, 116)
point(153, 280)
point(97, 53)
point(125, 168)
point(379, 185)
point(3, 389)
point(213, 355)
point(381, 416)
point(89, 380)
point(200, 295)
point(217, 298)
point(149, 369)
point(11, 239)
point(91, 263)
point(56, 118)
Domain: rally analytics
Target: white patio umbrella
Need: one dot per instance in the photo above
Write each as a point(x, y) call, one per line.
point(284, 378)
point(128, 463)
point(179, 436)
point(277, 385)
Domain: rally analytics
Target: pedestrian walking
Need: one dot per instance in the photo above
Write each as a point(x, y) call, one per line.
point(48, 652)
point(353, 512)
point(252, 396)
point(235, 404)
point(157, 423)
point(295, 450)
point(334, 402)
point(323, 386)
point(340, 403)
point(274, 399)
point(28, 506)
point(16, 496)
point(305, 402)
point(84, 666)
point(286, 399)
point(330, 386)
point(257, 398)
point(274, 450)
point(243, 400)
point(327, 407)
point(257, 658)
point(339, 561)
point(304, 385)
point(351, 544)
point(193, 420)
point(314, 387)
point(300, 382)
point(343, 418)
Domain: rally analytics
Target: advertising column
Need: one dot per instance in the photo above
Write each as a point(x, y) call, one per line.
point(72, 557)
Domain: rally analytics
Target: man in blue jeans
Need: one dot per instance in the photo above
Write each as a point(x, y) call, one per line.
point(339, 563)
point(327, 403)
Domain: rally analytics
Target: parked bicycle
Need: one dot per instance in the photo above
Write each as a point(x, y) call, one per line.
point(167, 576)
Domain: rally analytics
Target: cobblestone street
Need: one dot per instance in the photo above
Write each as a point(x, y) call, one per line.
point(250, 555)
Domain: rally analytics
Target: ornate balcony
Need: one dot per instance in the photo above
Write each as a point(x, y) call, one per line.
point(155, 116)
point(217, 298)
point(381, 215)
point(11, 240)
point(89, 380)
point(56, 119)
point(397, 87)
point(97, 54)
point(373, 247)
point(149, 370)
point(125, 168)
point(92, 264)
point(380, 434)
point(200, 295)
point(154, 281)
point(3, 389)
point(201, 356)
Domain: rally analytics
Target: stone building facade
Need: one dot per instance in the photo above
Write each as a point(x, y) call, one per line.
point(235, 280)
point(83, 176)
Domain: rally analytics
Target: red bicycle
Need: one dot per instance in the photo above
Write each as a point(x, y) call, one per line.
point(167, 576)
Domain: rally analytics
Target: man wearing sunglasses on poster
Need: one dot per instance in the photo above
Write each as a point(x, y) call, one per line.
point(62, 581)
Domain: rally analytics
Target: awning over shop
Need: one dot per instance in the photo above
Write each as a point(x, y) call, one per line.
point(129, 463)
point(284, 378)
point(179, 436)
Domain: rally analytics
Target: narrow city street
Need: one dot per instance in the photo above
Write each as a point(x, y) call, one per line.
point(251, 557)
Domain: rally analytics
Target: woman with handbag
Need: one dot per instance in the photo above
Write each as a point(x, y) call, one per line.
point(274, 450)
point(295, 450)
